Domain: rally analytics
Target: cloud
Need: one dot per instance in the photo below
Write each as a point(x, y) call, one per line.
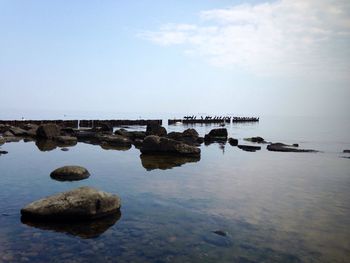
point(281, 37)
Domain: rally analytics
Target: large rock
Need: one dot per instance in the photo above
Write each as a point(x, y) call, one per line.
point(156, 144)
point(281, 147)
point(233, 142)
point(249, 148)
point(256, 139)
point(115, 140)
point(216, 135)
point(48, 131)
point(154, 128)
point(190, 133)
point(16, 131)
point(70, 173)
point(79, 204)
point(189, 136)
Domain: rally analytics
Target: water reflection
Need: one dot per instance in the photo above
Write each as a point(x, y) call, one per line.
point(46, 145)
point(114, 147)
point(164, 162)
point(85, 229)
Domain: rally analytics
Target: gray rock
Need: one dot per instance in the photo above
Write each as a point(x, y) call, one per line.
point(16, 131)
point(7, 134)
point(233, 142)
point(249, 148)
point(115, 140)
point(64, 149)
point(3, 152)
point(70, 173)
point(216, 135)
point(281, 147)
point(256, 139)
point(156, 144)
point(164, 162)
point(48, 131)
point(83, 203)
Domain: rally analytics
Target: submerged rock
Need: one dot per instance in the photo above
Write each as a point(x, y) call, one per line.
point(256, 139)
point(85, 229)
point(233, 142)
point(83, 203)
point(3, 152)
point(249, 148)
point(48, 131)
point(164, 162)
point(220, 233)
point(216, 135)
point(70, 173)
point(155, 144)
point(346, 151)
point(281, 147)
point(115, 140)
point(64, 149)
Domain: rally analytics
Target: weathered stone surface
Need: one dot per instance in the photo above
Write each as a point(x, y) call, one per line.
point(164, 162)
point(216, 135)
point(16, 131)
point(256, 139)
point(48, 131)
point(131, 134)
point(249, 148)
point(70, 173)
point(107, 146)
point(82, 203)
point(116, 140)
point(7, 134)
point(156, 144)
point(233, 142)
point(155, 129)
point(281, 147)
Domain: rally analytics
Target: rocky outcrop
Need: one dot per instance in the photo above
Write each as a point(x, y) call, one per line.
point(164, 162)
point(48, 131)
point(216, 135)
point(115, 140)
point(281, 147)
point(233, 142)
point(249, 148)
point(16, 131)
point(154, 128)
point(70, 173)
point(189, 136)
point(155, 144)
point(83, 203)
point(256, 139)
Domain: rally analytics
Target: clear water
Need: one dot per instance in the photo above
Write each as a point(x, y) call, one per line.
point(274, 207)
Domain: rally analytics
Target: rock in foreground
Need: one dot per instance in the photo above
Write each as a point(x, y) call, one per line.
point(83, 203)
point(70, 173)
point(156, 144)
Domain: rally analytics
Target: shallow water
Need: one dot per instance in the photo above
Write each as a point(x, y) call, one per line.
point(272, 206)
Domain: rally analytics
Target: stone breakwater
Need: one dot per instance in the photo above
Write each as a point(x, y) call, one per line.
point(210, 120)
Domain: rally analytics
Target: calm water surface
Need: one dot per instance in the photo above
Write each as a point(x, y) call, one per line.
point(274, 207)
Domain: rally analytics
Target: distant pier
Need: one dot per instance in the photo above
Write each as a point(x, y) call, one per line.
point(210, 120)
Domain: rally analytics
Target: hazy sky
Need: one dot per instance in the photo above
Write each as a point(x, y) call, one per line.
point(289, 57)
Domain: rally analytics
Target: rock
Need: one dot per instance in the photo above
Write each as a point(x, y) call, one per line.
point(256, 139)
point(7, 134)
point(104, 127)
point(107, 146)
point(164, 162)
point(70, 173)
point(216, 135)
point(155, 129)
point(346, 151)
point(16, 131)
point(85, 134)
point(220, 233)
point(30, 126)
point(84, 229)
point(48, 131)
point(64, 149)
point(156, 144)
point(115, 140)
point(83, 203)
point(281, 147)
point(190, 133)
point(137, 143)
point(249, 148)
point(131, 134)
point(4, 128)
point(12, 139)
point(233, 142)
point(66, 140)
point(2, 140)
point(3, 152)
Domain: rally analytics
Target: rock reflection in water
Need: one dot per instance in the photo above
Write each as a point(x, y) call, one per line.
point(46, 145)
point(83, 229)
point(114, 147)
point(164, 162)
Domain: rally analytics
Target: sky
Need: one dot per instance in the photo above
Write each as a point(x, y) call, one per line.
point(285, 58)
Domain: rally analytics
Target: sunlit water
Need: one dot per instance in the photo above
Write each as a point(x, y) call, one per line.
point(274, 207)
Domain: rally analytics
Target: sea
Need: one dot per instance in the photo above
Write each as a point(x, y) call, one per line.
point(229, 205)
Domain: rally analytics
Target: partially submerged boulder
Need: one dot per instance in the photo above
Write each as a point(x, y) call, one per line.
point(233, 142)
point(83, 203)
point(249, 148)
point(216, 135)
point(115, 140)
point(281, 147)
point(48, 131)
point(256, 139)
point(16, 131)
point(156, 144)
point(154, 128)
point(70, 173)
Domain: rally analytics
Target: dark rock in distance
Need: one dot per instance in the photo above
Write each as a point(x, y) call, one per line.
point(233, 142)
point(3, 152)
point(256, 139)
point(48, 131)
point(216, 135)
point(2, 140)
point(83, 203)
point(155, 144)
point(346, 151)
point(70, 173)
point(281, 147)
point(249, 148)
point(64, 149)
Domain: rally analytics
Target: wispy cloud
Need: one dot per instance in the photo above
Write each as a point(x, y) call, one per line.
point(281, 37)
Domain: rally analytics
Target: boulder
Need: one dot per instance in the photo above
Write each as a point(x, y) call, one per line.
point(16, 131)
point(233, 142)
point(3, 152)
point(70, 173)
point(137, 143)
point(256, 139)
point(346, 151)
point(249, 148)
point(83, 203)
point(66, 140)
point(156, 144)
point(216, 135)
point(115, 140)
point(104, 127)
point(154, 128)
point(281, 147)
point(48, 131)
point(190, 133)
point(7, 134)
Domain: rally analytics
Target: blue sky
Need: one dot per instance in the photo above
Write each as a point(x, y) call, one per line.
point(245, 57)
